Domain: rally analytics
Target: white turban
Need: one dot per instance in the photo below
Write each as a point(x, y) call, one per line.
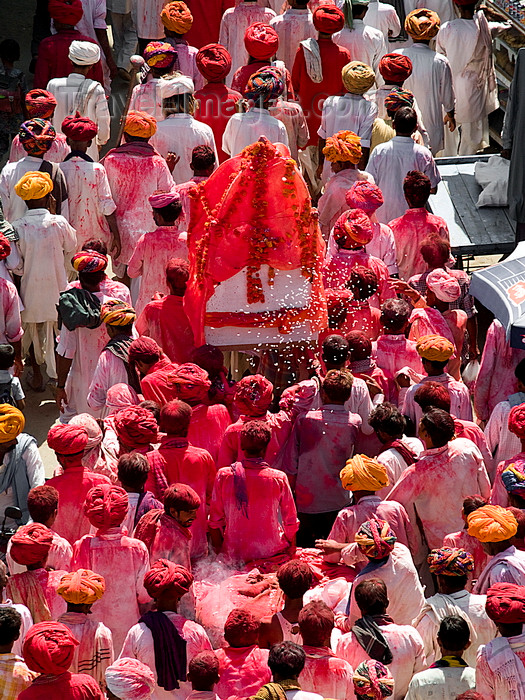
point(445, 286)
point(130, 679)
point(84, 53)
point(180, 85)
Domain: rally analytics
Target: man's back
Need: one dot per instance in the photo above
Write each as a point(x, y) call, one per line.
point(444, 683)
point(293, 26)
point(244, 129)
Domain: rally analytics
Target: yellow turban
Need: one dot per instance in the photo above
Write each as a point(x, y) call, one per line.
point(34, 185)
point(362, 473)
point(176, 17)
point(357, 77)
point(434, 348)
point(422, 24)
point(343, 146)
point(140, 124)
point(492, 524)
point(117, 313)
point(82, 587)
point(12, 422)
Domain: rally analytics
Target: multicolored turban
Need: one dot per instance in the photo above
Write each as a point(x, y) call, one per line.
point(516, 421)
point(253, 395)
point(160, 54)
point(328, 19)
point(445, 286)
point(12, 422)
point(176, 17)
point(5, 247)
point(165, 575)
point(159, 200)
point(31, 543)
point(34, 185)
point(343, 147)
point(365, 196)
point(49, 648)
point(89, 261)
point(265, 85)
point(357, 77)
point(492, 524)
point(81, 587)
point(434, 348)
point(106, 505)
point(66, 11)
point(36, 136)
point(117, 313)
point(130, 679)
point(505, 603)
point(190, 382)
point(353, 227)
point(362, 473)
point(375, 539)
point(513, 478)
point(41, 103)
point(373, 681)
point(78, 128)
point(136, 426)
point(213, 62)
point(395, 68)
point(261, 41)
point(140, 124)
point(450, 561)
point(67, 439)
point(422, 24)
point(397, 98)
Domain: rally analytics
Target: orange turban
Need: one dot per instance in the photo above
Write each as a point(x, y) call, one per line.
point(422, 24)
point(492, 524)
point(30, 544)
point(362, 473)
point(34, 185)
point(81, 587)
point(49, 648)
point(344, 146)
point(353, 227)
point(176, 17)
point(140, 124)
point(12, 422)
point(434, 348)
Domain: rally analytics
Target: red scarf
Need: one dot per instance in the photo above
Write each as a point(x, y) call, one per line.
point(404, 450)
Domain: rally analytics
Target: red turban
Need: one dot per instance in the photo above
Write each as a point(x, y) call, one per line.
point(395, 68)
point(136, 426)
point(40, 103)
point(506, 603)
point(79, 128)
point(66, 11)
point(253, 395)
point(328, 19)
point(30, 544)
point(165, 575)
point(261, 41)
point(144, 349)
point(181, 497)
point(49, 648)
point(191, 383)
point(365, 196)
point(67, 439)
point(353, 227)
point(214, 62)
point(5, 247)
point(516, 421)
point(106, 506)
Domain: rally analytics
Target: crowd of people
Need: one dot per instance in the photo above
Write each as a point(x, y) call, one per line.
point(337, 514)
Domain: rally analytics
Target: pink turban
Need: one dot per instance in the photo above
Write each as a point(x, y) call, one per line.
point(130, 679)
point(190, 382)
point(353, 227)
point(95, 435)
point(67, 439)
point(106, 506)
point(30, 544)
point(365, 196)
point(159, 200)
point(49, 648)
point(253, 395)
point(144, 349)
point(165, 575)
point(445, 286)
point(136, 426)
point(121, 396)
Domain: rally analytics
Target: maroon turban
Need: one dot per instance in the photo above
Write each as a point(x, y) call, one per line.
point(79, 128)
point(506, 603)
point(395, 68)
point(190, 382)
point(49, 648)
point(165, 575)
point(136, 426)
point(106, 506)
point(67, 439)
point(253, 395)
point(328, 19)
point(40, 103)
point(144, 349)
point(66, 11)
point(181, 497)
point(5, 247)
point(30, 544)
point(261, 41)
point(214, 62)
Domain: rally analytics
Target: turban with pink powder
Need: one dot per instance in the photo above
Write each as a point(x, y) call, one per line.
point(49, 648)
point(445, 286)
point(165, 574)
point(106, 506)
point(130, 679)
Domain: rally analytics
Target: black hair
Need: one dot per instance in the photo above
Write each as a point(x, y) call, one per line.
point(405, 120)
point(519, 372)
point(9, 50)
point(132, 470)
point(335, 349)
point(10, 624)
point(171, 212)
point(7, 355)
point(287, 659)
point(388, 419)
point(439, 425)
point(454, 633)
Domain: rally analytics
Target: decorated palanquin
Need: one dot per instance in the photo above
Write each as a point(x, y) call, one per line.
point(255, 252)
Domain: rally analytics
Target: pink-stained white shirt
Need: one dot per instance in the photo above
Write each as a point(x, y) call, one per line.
point(360, 316)
point(139, 645)
point(10, 321)
point(243, 671)
point(507, 566)
point(395, 464)
point(230, 447)
point(152, 253)
point(383, 16)
point(56, 154)
point(493, 681)
point(292, 27)
point(470, 430)
point(49, 581)
point(95, 651)
point(59, 556)
point(326, 674)
point(186, 56)
point(460, 404)
point(337, 268)
point(107, 553)
point(443, 475)
point(171, 540)
point(208, 425)
point(246, 128)
point(147, 97)
point(292, 116)
point(392, 353)
point(501, 442)
point(410, 230)
point(332, 202)
point(407, 649)
point(268, 523)
point(146, 18)
point(364, 42)
point(109, 370)
point(89, 198)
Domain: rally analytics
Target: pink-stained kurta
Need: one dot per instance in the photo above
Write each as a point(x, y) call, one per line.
point(56, 154)
point(66, 686)
point(147, 97)
point(123, 562)
point(208, 425)
point(166, 322)
point(139, 645)
point(95, 651)
point(462, 540)
point(20, 589)
point(409, 231)
point(443, 475)
point(395, 464)
point(460, 404)
point(429, 321)
point(230, 449)
point(294, 25)
point(392, 353)
point(496, 678)
point(166, 539)
point(470, 430)
point(243, 671)
point(152, 253)
point(360, 316)
point(337, 268)
point(326, 674)
point(263, 527)
point(72, 487)
point(332, 202)
point(501, 442)
point(59, 556)
point(10, 321)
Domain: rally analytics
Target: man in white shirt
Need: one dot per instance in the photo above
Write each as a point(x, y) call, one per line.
point(77, 93)
point(242, 130)
point(383, 16)
point(365, 42)
point(292, 27)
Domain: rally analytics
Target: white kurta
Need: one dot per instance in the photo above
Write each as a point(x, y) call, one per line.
point(365, 43)
point(293, 26)
point(441, 683)
point(443, 8)
point(109, 370)
point(383, 16)
point(146, 18)
point(244, 129)
point(147, 98)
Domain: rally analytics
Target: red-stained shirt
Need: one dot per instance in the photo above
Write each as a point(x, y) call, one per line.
point(207, 15)
point(230, 450)
point(243, 671)
point(67, 686)
point(156, 387)
point(208, 424)
point(53, 59)
point(165, 321)
point(215, 105)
